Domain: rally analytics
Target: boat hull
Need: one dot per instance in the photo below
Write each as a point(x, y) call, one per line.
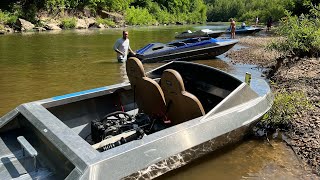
point(188, 54)
point(246, 31)
point(187, 156)
point(58, 128)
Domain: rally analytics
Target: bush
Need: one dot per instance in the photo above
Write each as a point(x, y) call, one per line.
point(285, 106)
point(301, 35)
point(68, 23)
point(107, 22)
point(164, 17)
point(7, 18)
point(139, 16)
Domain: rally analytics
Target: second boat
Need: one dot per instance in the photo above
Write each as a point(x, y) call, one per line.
point(186, 49)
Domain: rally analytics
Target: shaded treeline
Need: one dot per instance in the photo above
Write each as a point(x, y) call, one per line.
point(248, 10)
point(135, 11)
point(160, 11)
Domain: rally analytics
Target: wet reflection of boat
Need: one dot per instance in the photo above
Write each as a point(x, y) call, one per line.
point(157, 122)
point(246, 30)
point(200, 33)
point(187, 49)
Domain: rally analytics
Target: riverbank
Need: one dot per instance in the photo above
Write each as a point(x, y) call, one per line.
point(304, 132)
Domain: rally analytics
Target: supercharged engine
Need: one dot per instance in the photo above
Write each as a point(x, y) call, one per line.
point(119, 127)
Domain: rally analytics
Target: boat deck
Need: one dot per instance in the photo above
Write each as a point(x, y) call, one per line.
point(17, 164)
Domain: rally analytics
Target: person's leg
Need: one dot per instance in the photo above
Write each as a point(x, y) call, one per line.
point(121, 60)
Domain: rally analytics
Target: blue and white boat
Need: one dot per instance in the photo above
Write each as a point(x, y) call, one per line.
point(245, 30)
point(186, 49)
point(199, 33)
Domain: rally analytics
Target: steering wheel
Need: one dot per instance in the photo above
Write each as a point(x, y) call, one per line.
point(118, 115)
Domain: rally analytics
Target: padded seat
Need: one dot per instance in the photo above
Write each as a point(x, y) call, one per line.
point(148, 93)
point(181, 105)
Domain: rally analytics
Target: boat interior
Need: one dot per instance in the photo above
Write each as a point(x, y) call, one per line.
point(178, 91)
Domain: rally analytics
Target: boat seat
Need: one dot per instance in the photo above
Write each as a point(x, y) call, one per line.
point(181, 105)
point(147, 93)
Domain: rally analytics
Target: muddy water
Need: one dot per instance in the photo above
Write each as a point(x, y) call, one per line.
point(35, 66)
point(250, 159)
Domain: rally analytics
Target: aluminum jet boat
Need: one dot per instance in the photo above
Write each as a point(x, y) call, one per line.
point(186, 49)
point(199, 33)
point(245, 30)
point(156, 122)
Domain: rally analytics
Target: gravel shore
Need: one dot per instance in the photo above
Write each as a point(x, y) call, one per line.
point(304, 75)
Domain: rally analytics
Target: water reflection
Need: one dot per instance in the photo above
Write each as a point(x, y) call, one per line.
point(123, 73)
point(249, 160)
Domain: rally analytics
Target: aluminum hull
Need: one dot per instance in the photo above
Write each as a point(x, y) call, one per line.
point(57, 128)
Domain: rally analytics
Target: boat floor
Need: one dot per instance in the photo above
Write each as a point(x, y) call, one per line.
point(14, 165)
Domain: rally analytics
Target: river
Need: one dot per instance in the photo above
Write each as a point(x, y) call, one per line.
point(36, 66)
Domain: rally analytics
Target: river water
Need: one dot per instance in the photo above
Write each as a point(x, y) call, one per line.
point(36, 66)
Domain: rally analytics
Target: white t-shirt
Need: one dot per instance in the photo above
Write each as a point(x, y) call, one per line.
point(122, 45)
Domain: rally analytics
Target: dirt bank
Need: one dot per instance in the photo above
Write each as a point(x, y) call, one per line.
point(304, 75)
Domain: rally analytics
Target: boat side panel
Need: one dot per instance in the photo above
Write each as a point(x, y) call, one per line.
point(78, 115)
point(187, 156)
point(156, 147)
point(9, 121)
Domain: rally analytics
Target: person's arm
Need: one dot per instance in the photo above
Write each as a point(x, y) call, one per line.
point(115, 47)
point(131, 50)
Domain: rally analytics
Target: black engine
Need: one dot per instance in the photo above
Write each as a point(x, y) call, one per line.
point(117, 123)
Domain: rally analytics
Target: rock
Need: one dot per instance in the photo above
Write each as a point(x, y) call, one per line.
point(101, 26)
point(24, 25)
point(118, 18)
point(8, 30)
point(39, 29)
point(90, 22)
point(52, 26)
point(81, 24)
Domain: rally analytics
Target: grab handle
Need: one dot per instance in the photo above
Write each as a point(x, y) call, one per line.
point(26, 146)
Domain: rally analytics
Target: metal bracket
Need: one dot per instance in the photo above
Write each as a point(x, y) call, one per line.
point(26, 146)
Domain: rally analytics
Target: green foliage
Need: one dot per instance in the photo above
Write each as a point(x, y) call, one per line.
point(118, 5)
point(247, 10)
point(286, 105)
point(145, 12)
point(7, 18)
point(301, 35)
point(164, 17)
point(54, 5)
point(107, 22)
point(109, 5)
point(139, 16)
point(68, 23)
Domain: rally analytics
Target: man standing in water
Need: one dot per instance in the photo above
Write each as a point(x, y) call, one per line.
point(122, 47)
point(232, 28)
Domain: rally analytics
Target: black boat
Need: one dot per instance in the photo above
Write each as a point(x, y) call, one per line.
point(187, 49)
